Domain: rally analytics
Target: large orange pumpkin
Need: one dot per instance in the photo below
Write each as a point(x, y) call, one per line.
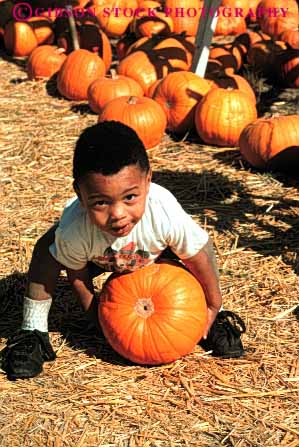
point(106, 88)
point(78, 71)
point(143, 114)
point(272, 142)
point(222, 114)
point(178, 93)
point(154, 315)
point(45, 61)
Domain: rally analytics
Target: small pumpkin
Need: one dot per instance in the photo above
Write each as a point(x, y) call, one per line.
point(123, 44)
point(272, 142)
point(222, 114)
point(183, 22)
point(178, 94)
point(150, 59)
point(147, 26)
point(291, 37)
point(246, 40)
point(288, 67)
point(90, 37)
point(43, 30)
point(176, 48)
point(229, 25)
point(143, 114)
point(225, 56)
point(154, 315)
point(151, 91)
point(252, 10)
point(113, 24)
point(228, 79)
point(262, 56)
point(19, 38)
point(45, 61)
point(145, 67)
point(78, 71)
point(275, 24)
point(232, 5)
point(105, 88)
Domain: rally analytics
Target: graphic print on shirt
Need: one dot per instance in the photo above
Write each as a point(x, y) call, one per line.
point(124, 260)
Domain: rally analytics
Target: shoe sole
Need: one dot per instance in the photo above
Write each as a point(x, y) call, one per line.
point(231, 355)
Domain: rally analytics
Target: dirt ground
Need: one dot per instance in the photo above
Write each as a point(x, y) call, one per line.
point(92, 397)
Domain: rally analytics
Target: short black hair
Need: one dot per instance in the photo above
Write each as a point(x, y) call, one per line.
point(106, 148)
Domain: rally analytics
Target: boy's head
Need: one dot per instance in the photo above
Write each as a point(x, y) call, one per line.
point(106, 148)
point(111, 176)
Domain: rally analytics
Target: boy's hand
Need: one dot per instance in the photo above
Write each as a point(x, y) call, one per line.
point(204, 268)
point(212, 314)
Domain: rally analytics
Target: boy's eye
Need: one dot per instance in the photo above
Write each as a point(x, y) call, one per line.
point(130, 197)
point(100, 203)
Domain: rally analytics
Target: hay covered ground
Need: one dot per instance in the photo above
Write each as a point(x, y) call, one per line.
point(92, 397)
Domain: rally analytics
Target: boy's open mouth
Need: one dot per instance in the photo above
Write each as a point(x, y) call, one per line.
point(120, 230)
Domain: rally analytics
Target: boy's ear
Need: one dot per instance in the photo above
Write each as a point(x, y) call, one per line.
point(149, 176)
point(77, 190)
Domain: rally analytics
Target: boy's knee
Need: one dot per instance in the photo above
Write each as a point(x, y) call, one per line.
point(38, 291)
point(43, 243)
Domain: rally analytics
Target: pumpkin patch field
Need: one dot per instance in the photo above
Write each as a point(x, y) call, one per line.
point(227, 146)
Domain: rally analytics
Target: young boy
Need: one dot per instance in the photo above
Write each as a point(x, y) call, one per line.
point(119, 221)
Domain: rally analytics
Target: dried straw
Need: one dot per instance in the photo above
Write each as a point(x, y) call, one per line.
point(92, 397)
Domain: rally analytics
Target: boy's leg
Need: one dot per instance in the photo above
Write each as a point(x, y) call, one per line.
point(26, 351)
point(91, 310)
point(43, 274)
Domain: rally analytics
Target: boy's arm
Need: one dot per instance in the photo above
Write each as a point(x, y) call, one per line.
point(82, 286)
point(204, 268)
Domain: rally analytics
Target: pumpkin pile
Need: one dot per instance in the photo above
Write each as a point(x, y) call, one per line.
point(148, 83)
point(154, 315)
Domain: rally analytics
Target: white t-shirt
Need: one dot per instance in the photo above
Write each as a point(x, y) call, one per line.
point(164, 223)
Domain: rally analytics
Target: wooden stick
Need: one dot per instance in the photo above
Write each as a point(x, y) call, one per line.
point(206, 27)
point(73, 28)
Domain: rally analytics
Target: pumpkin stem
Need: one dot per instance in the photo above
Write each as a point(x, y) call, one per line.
point(132, 100)
point(144, 307)
point(113, 73)
point(229, 71)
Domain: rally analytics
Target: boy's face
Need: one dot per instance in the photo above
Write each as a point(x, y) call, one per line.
point(115, 203)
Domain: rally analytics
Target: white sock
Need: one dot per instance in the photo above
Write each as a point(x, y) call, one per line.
point(35, 314)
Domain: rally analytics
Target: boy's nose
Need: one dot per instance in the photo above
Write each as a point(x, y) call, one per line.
point(117, 212)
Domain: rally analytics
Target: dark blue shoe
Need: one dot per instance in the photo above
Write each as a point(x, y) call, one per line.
point(224, 336)
point(25, 353)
